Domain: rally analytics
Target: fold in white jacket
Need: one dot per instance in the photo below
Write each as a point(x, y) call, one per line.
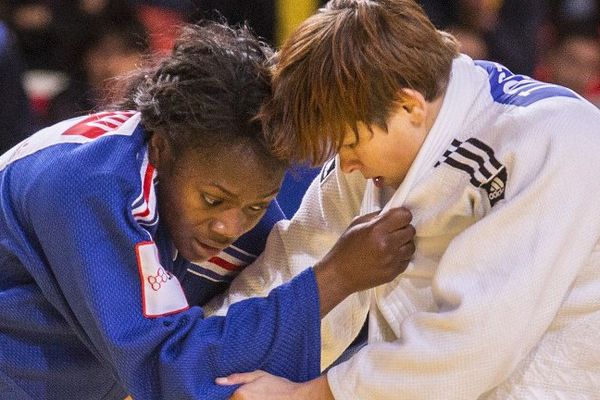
point(502, 297)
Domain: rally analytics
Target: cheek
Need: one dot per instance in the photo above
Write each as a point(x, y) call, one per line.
point(179, 207)
point(387, 160)
point(379, 155)
point(190, 211)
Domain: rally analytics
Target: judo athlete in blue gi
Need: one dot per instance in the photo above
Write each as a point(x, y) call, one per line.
point(116, 227)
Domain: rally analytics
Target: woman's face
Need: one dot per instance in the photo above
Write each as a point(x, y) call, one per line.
point(384, 156)
point(209, 200)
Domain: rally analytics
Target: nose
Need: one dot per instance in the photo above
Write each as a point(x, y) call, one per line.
point(348, 162)
point(230, 224)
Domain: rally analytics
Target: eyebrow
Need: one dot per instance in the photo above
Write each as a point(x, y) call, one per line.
point(231, 194)
point(271, 193)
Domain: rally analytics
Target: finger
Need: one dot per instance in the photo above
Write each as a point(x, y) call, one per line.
point(407, 251)
point(395, 219)
point(364, 218)
point(403, 235)
point(400, 251)
point(240, 378)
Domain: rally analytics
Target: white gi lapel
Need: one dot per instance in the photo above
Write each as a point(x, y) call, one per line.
point(388, 300)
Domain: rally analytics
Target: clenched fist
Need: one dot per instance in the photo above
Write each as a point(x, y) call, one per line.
point(373, 250)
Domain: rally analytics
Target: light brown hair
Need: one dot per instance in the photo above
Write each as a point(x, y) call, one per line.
point(347, 64)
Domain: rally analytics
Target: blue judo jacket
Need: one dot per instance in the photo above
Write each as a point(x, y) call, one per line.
point(93, 304)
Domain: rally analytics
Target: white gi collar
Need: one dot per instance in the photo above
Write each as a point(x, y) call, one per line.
point(462, 90)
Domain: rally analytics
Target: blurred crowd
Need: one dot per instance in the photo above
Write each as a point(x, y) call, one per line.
point(57, 56)
point(555, 41)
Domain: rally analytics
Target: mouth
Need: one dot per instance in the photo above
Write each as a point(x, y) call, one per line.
point(207, 250)
point(379, 181)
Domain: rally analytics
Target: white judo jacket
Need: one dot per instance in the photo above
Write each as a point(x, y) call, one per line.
point(502, 297)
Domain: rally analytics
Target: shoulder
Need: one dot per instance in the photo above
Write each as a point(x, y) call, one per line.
point(555, 126)
point(510, 89)
point(76, 136)
point(83, 155)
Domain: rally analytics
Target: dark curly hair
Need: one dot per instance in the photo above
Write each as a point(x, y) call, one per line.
point(207, 92)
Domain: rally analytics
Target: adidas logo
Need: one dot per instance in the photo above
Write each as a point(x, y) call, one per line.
point(496, 188)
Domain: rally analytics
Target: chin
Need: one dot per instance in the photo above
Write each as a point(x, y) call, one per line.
point(194, 257)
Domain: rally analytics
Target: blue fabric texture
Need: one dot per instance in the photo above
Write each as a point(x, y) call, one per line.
point(72, 324)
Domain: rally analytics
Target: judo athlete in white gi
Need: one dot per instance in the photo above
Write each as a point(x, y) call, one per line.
point(502, 175)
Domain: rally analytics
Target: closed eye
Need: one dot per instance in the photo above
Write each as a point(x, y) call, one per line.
point(211, 200)
point(258, 207)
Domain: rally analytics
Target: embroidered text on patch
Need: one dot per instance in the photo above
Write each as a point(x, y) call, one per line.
point(161, 292)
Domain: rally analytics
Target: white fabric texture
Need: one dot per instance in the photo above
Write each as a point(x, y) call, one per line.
point(502, 297)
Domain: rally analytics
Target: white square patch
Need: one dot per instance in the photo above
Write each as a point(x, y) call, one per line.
point(161, 291)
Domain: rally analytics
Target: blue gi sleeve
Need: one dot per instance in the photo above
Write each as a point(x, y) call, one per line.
point(82, 222)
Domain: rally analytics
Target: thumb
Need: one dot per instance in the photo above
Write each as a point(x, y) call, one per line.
point(240, 378)
point(363, 218)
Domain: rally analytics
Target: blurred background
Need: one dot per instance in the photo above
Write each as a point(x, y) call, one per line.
point(57, 55)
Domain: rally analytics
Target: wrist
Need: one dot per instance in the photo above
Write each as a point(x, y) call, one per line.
point(331, 288)
point(317, 389)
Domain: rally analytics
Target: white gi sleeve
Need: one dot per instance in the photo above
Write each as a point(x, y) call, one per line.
point(501, 282)
point(331, 202)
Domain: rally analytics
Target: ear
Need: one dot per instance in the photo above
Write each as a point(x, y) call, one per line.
point(414, 104)
point(159, 151)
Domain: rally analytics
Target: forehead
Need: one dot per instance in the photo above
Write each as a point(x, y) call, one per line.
point(238, 170)
point(359, 131)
